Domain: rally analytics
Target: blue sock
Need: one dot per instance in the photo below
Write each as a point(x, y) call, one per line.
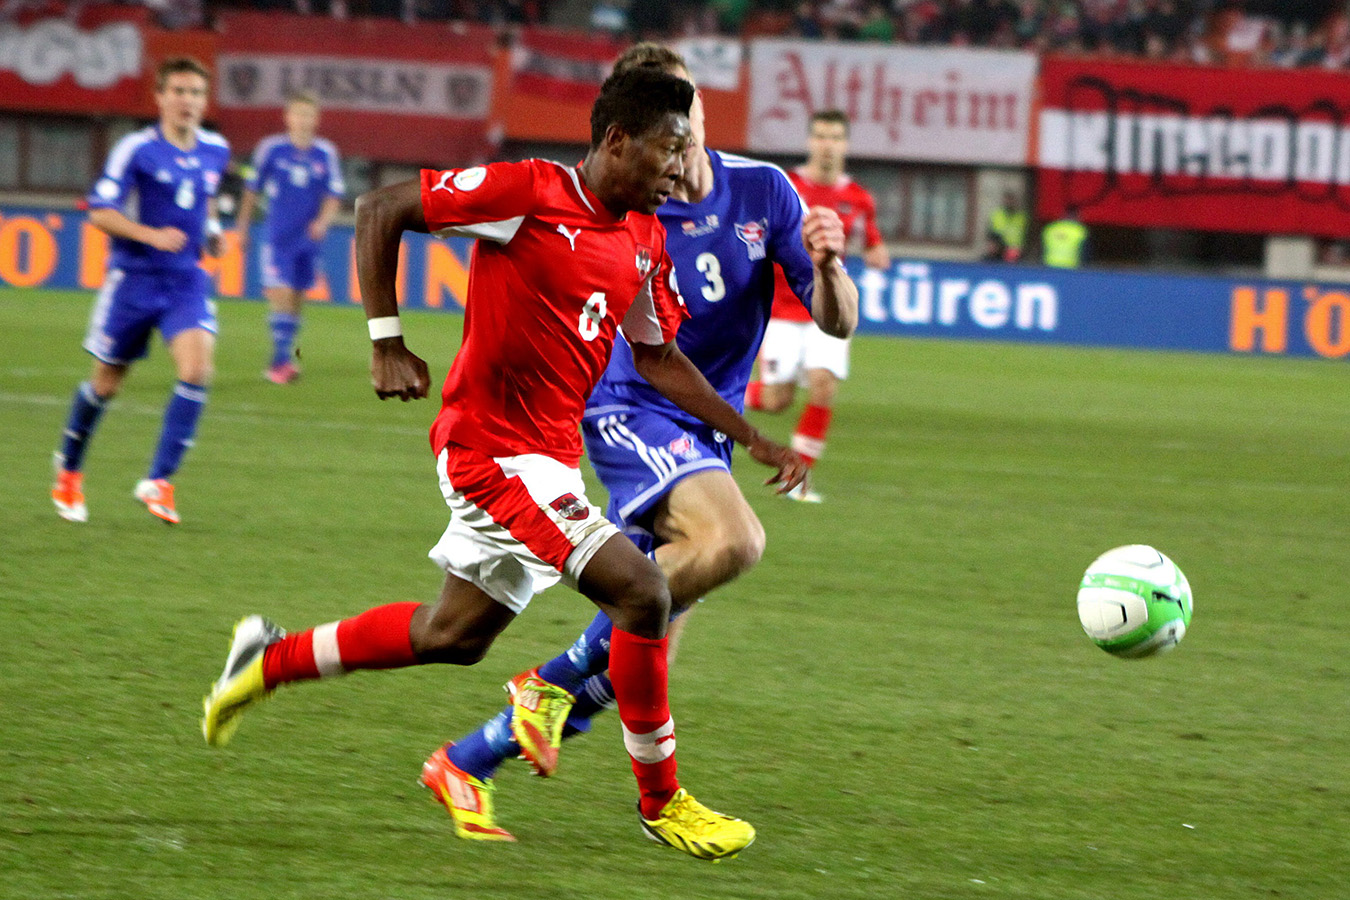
point(180, 424)
point(85, 411)
point(595, 696)
point(285, 326)
point(482, 752)
point(588, 656)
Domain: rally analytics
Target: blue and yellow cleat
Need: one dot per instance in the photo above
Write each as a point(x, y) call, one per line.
point(703, 833)
point(539, 710)
point(241, 684)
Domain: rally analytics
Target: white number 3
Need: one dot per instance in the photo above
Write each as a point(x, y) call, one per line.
point(592, 314)
point(715, 289)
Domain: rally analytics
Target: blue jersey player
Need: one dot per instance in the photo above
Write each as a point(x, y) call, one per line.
point(171, 171)
point(728, 222)
point(301, 176)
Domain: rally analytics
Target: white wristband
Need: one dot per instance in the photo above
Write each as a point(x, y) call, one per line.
point(213, 228)
point(384, 327)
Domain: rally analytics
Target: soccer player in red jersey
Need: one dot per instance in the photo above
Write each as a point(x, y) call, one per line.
point(565, 257)
point(795, 349)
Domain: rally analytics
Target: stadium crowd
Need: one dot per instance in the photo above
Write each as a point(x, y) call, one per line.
point(1279, 33)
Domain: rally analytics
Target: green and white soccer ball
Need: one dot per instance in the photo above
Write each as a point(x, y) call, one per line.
point(1134, 602)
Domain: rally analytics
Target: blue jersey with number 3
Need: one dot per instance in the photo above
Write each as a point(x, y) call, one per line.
point(153, 182)
point(724, 248)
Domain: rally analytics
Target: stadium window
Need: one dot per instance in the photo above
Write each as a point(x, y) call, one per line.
point(60, 155)
point(920, 204)
point(10, 149)
point(939, 206)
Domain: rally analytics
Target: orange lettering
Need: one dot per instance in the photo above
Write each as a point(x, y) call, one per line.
point(1268, 316)
point(354, 282)
point(228, 268)
point(1326, 327)
point(93, 256)
point(445, 274)
point(319, 292)
point(26, 269)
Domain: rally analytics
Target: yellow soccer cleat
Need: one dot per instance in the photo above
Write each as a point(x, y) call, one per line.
point(688, 825)
point(539, 710)
point(466, 798)
point(241, 684)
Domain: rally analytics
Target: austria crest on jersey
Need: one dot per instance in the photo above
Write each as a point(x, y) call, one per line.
point(753, 235)
point(570, 507)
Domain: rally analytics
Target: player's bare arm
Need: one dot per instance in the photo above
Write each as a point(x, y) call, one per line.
point(213, 243)
point(114, 223)
point(834, 306)
point(243, 220)
point(670, 372)
point(327, 211)
point(876, 257)
point(382, 215)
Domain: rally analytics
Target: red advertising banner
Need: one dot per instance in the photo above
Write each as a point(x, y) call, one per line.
point(103, 59)
point(1178, 146)
point(562, 65)
point(393, 92)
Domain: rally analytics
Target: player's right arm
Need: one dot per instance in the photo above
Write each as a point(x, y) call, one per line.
point(382, 215)
point(115, 224)
point(109, 193)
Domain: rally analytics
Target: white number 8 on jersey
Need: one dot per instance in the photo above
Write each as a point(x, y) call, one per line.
point(592, 314)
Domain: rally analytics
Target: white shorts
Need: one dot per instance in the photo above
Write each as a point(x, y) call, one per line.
point(518, 524)
point(791, 348)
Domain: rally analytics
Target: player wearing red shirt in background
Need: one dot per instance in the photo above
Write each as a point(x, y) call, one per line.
point(795, 350)
point(565, 258)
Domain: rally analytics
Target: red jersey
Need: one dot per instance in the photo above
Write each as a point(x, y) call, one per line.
point(858, 211)
point(552, 278)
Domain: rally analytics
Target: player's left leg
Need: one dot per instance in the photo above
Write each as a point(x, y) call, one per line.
point(458, 629)
point(283, 321)
point(290, 274)
point(710, 535)
point(193, 351)
point(826, 366)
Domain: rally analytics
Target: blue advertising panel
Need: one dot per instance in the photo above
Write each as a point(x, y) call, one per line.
point(43, 248)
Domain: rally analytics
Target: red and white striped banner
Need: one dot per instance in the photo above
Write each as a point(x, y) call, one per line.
point(1178, 146)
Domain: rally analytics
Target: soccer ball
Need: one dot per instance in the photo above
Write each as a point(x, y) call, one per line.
point(1134, 602)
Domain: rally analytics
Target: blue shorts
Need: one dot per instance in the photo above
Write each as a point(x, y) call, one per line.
point(289, 265)
point(640, 455)
point(131, 304)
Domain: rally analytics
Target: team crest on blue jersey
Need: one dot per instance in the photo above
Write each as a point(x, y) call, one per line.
point(570, 507)
point(753, 235)
point(683, 447)
point(693, 229)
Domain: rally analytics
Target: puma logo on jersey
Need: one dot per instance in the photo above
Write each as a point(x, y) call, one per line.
point(441, 185)
point(570, 235)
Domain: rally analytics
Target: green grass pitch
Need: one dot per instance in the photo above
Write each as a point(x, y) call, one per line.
point(899, 697)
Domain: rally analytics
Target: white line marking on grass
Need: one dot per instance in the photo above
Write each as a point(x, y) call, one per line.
point(221, 412)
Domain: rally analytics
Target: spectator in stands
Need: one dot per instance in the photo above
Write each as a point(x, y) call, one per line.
point(1064, 241)
point(1007, 231)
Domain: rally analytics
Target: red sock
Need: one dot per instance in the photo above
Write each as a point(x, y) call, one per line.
point(809, 438)
point(754, 395)
point(376, 639)
point(637, 669)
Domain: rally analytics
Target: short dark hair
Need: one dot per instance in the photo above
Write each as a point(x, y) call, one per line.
point(637, 100)
point(830, 117)
point(176, 65)
point(649, 55)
